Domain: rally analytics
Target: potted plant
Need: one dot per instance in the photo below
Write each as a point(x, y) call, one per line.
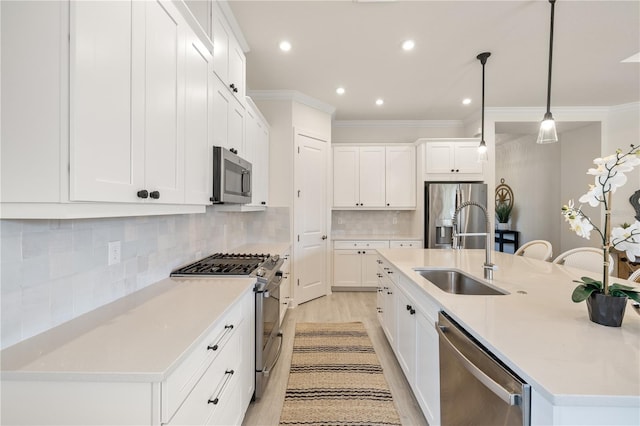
point(606, 303)
point(503, 211)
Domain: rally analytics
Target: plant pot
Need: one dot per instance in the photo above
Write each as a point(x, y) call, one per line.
point(606, 310)
point(503, 226)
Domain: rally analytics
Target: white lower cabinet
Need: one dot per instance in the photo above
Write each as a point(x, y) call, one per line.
point(354, 263)
point(409, 325)
point(212, 385)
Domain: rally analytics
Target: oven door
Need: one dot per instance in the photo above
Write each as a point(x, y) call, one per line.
point(268, 333)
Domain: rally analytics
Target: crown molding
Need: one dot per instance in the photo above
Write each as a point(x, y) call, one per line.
point(292, 96)
point(632, 106)
point(399, 123)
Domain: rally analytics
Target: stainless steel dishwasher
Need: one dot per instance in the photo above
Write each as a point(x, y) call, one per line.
point(476, 388)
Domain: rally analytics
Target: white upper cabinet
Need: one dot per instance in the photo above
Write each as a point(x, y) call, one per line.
point(400, 166)
point(228, 119)
point(256, 148)
point(452, 159)
point(374, 177)
point(127, 113)
point(127, 106)
point(107, 156)
point(229, 61)
point(198, 121)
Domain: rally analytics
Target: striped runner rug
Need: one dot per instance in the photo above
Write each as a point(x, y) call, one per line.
point(336, 379)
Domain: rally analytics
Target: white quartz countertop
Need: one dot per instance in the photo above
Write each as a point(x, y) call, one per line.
point(370, 237)
point(140, 337)
point(537, 330)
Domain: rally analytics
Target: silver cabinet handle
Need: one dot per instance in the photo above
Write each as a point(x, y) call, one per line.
point(216, 345)
point(488, 382)
point(215, 399)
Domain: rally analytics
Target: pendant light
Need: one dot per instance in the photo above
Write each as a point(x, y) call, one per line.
point(548, 132)
point(482, 149)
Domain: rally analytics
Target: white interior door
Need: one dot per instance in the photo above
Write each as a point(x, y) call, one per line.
point(310, 206)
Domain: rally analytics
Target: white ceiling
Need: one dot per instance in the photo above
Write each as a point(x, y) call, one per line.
point(357, 45)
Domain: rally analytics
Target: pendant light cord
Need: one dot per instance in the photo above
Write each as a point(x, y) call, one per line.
point(553, 4)
point(483, 60)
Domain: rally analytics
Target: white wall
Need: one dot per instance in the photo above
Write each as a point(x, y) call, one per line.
point(533, 172)
point(578, 148)
point(55, 270)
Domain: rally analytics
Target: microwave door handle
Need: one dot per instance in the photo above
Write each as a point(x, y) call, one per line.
point(245, 182)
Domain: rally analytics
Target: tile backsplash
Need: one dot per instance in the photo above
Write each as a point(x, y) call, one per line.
point(55, 270)
point(372, 222)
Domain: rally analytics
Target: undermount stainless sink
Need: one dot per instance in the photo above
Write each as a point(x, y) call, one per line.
point(456, 282)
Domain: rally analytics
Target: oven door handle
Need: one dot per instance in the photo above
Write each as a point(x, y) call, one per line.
point(267, 370)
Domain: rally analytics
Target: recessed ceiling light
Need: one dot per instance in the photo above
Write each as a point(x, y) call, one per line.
point(379, 101)
point(340, 90)
point(466, 101)
point(408, 45)
point(285, 46)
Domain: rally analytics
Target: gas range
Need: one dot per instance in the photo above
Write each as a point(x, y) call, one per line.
point(232, 264)
point(266, 269)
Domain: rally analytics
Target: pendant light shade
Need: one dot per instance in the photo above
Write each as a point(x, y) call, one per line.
point(482, 148)
point(548, 133)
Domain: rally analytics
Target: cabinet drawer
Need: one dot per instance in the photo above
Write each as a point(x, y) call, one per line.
point(345, 245)
point(387, 270)
point(216, 397)
point(406, 244)
point(178, 385)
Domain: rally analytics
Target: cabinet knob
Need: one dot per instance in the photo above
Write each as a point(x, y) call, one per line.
point(143, 193)
point(264, 203)
point(359, 252)
point(234, 88)
point(154, 194)
point(388, 204)
point(452, 170)
point(412, 311)
point(324, 237)
point(457, 170)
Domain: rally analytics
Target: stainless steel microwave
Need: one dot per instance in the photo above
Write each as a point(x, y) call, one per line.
point(231, 177)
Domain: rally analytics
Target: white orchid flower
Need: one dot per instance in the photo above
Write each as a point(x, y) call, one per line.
point(582, 227)
point(594, 197)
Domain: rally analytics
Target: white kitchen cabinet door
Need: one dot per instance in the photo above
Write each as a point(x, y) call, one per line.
point(229, 61)
point(197, 124)
point(369, 268)
point(164, 102)
point(439, 158)
point(372, 176)
point(347, 267)
point(237, 67)
point(260, 186)
point(389, 311)
point(406, 337)
point(400, 167)
point(220, 33)
point(127, 107)
point(106, 155)
point(236, 126)
point(427, 376)
point(221, 106)
point(346, 177)
point(466, 157)
point(256, 150)
point(452, 160)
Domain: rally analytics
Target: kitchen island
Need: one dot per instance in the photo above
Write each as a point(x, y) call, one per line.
point(580, 372)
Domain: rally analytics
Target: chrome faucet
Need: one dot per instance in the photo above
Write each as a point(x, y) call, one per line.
point(488, 267)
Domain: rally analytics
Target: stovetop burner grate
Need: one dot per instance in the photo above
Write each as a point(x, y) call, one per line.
point(224, 264)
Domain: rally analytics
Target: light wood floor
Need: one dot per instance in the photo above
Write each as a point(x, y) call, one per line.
point(338, 307)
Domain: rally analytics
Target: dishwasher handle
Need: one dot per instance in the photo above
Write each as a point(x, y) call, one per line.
point(488, 382)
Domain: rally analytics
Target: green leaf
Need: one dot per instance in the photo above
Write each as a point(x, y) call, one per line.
point(623, 290)
point(581, 293)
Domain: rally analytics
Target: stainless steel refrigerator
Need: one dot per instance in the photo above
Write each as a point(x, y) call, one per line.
point(441, 201)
